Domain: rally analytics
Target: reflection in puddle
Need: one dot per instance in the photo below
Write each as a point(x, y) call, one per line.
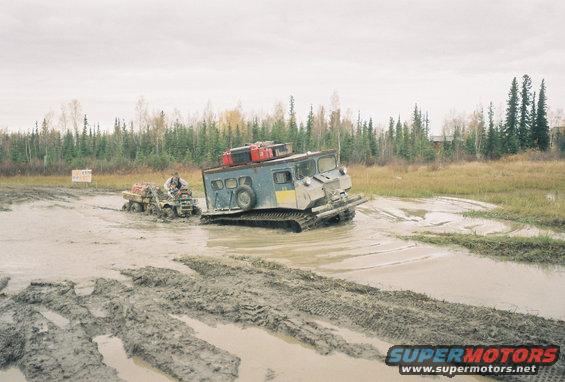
point(12, 374)
point(129, 369)
point(270, 356)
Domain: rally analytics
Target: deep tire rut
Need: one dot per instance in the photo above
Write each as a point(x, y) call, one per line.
point(243, 290)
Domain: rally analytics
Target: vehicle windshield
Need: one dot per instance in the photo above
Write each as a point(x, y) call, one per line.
point(306, 168)
point(326, 164)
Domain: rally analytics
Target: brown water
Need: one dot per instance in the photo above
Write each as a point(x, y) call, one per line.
point(265, 356)
point(129, 369)
point(87, 238)
point(12, 374)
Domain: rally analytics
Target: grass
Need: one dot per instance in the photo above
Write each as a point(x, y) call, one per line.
point(525, 191)
point(109, 181)
point(539, 249)
point(530, 192)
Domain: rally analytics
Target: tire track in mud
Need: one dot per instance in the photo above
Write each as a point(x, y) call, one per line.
point(243, 290)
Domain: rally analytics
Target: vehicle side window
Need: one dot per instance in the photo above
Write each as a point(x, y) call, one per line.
point(245, 180)
point(217, 185)
point(306, 168)
point(326, 164)
point(231, 183)
point(282, 177)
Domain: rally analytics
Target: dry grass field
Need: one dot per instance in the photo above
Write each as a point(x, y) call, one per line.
point(526, 191)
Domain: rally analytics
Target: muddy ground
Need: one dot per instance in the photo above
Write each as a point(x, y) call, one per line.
point(90, 293)
point(12, 195)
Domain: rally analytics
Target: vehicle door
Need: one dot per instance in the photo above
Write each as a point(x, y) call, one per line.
point(283, 183)
point(219, 194)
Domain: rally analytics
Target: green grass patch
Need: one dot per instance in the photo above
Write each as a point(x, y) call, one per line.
point(550, 222)
point(541, 249)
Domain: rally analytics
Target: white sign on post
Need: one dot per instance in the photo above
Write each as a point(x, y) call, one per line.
point(81, 176)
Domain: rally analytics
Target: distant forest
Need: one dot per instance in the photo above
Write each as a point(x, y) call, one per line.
point(159, 140)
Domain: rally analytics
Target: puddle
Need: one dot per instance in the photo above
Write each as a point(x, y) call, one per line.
point(268, 356)
point(84, 290)
point(129, 369)
point(58, 320)
point(383, 346)
point(419, 213)
point(69, 243)
point(97, 311)
point(356, 337)
point(12, 374)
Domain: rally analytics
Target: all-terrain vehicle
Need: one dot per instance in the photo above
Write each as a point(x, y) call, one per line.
point(265, 184)
point(147, 197)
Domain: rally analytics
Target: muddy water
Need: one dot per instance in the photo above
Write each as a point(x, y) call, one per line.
point(267, 356)
point(276, 357)
point(12, 374)
point(129, 369)
point(86, 238)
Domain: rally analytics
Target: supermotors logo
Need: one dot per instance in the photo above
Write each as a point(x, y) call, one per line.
point(453, 360)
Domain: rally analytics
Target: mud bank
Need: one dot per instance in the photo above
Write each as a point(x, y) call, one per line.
point(248, 292)
point(14, 195)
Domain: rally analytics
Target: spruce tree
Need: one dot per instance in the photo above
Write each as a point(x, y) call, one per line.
point(373, 148)
point(390, 132)
point(524, 123)
point(398, 138)
point(83, 145)
point(480, 135)
point(309, 126)
point(533, 119)
point(491, 145)
point(511, 143)
point(292, 126)
point(540, 134)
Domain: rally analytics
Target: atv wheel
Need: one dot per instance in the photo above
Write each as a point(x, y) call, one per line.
point(153, 210)
point(196, 211)
point(245, 197)
point(170, 212)
point(126, 206)
point(137, 207)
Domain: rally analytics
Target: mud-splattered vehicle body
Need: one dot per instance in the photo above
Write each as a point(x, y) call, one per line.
point(146, 197)
point(298, 191)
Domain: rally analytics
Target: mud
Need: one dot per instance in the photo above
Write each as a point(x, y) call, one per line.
point(14, 195)
point(3, 282)
point(248, 292)
point(85, 238)
point(112, 279)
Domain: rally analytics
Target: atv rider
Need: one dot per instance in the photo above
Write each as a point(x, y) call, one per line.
point(174, 184)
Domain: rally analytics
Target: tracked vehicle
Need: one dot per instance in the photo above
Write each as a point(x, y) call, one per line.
point(278, 188)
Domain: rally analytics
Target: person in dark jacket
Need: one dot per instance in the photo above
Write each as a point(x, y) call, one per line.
point(174, 184)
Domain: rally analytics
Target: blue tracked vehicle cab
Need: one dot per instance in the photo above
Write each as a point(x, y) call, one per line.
point(299, 191)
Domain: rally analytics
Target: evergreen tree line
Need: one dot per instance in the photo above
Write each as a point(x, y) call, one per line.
point(159, 140)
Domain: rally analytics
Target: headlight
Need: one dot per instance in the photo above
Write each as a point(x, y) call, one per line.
point(343, 170)
point(307, 181)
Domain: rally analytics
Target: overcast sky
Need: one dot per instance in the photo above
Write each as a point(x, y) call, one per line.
point(380, 56)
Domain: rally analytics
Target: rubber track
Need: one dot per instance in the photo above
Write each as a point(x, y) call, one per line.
point(301, 221)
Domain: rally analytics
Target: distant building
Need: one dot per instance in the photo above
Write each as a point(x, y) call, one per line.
point(437, 140)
